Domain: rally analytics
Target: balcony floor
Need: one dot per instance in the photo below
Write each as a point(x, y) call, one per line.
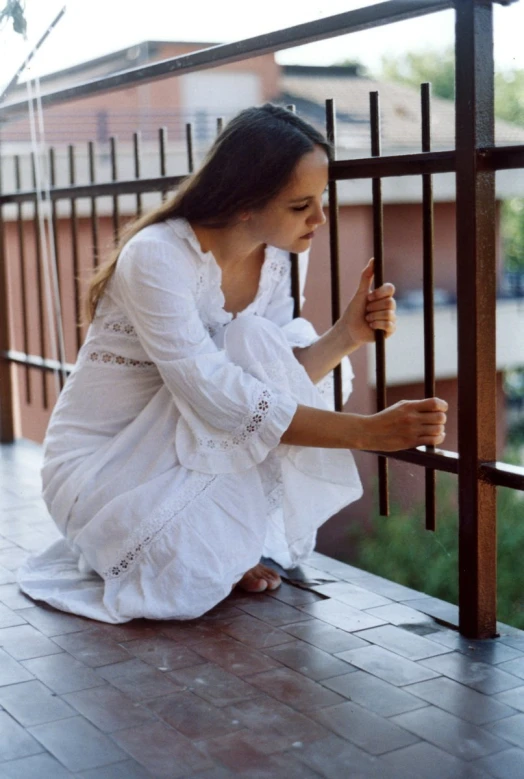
point(337, 674)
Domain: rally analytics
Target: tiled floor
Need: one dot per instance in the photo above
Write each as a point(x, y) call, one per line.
point(338, 674)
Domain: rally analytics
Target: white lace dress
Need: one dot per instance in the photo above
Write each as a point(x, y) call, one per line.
point(162, 463)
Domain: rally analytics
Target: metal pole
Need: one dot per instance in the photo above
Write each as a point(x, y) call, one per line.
point(476, 288)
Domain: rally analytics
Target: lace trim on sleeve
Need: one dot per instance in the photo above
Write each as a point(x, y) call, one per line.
point(249, 426)
point(110, 358)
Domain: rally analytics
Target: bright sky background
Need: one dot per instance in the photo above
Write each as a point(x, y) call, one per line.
point(91, 28)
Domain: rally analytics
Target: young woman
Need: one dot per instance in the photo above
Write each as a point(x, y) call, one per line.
point(191, 438)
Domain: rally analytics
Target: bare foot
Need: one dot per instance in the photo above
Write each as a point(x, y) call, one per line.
point(259, 578)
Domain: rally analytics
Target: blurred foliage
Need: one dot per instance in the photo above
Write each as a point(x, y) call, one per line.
point(438, 67)
point(399, 548)
point(512, 226)
point(14, 11)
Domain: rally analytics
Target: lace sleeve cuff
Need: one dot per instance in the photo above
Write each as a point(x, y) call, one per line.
point(207, 450)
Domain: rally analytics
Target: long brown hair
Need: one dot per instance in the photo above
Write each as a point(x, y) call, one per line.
point(249, 163)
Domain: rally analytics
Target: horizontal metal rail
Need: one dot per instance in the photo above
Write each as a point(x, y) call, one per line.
point(33, 361)
point(105, 189)
point(310, 32)
point(498, 158)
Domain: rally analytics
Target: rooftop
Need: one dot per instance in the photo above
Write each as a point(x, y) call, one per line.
point(338, 673)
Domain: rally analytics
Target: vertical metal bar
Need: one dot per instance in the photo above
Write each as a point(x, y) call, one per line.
point(94, 210)
point(136, 155)
point(476, 296)
point(74, 250)
point(162, 142)
point(54, 222)
point(114, 177)
point(54, 229)
point(220, 124)
point(378, 253)
point(23, 279)
point(295, 267)
point(7, 392)
point(428, 285)
point(39, 283)
point(334, 244)
point(189, 144)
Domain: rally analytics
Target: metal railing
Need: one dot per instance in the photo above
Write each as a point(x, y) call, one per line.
point(474, 162)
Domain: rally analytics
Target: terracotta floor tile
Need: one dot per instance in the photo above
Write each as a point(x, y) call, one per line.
point(513, 698)
point(353, 595)
point(480, 676)
point(15, 741)
point(374, 694)
point(191, 632)
point(138, 680)
point(163, 653)
point(214, 684)
point(233, 656)
point(461, 701)
point(398, 614)
point(55, 623)
point(12, 671)
point(294, 596)
point(193, 717)
point(511, 729)
point(42, 766)
point(309, 661)
point(504, 765)
point(450, 733)
point(368, 731)
point(274, 612)
point(425, 761)
point(24, 642)
point(62, 673)
point(403, 642)
point(255, 633)
point(275, 723)
point(85, 747)
point(294, 689)
point(491, 651)
point(108, 708)
point(335, 758)
point(129, 769)
point(12, 597)
point(325, 636)
point(9, 618)
point(388, 666)
point(162, 751)
point(32, 703)
point(341, 615)
point(92, 647)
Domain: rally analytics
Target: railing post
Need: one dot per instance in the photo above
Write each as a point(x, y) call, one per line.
point(476, 295)
point(7, 424)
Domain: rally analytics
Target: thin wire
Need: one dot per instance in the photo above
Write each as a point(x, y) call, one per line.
point(47, 238)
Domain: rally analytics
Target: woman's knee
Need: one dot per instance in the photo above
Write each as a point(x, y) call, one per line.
point(254, 337)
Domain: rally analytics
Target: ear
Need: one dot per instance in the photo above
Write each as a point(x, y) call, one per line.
point(244, 216)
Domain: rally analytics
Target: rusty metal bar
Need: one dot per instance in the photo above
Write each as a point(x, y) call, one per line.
point(136, 156)
point(114, 178)
point(23, 279)
point(334, 244)
point(428, 231)
point(503, 475)
point(189, 145)
point(56, 259)
point(378, 253)
point(7, 390)
point(295, 267)
point(107, 189)
point(220, 124)
point(376, 15)
point(94, 210)
point(476, 308)
point(501, 158)
point(162, 143)
point(74, 251)
point(34, 361)
point(39, 284)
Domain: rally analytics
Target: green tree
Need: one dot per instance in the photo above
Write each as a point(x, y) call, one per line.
point(438, 67)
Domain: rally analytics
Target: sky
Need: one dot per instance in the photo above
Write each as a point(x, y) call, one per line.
point(91, 28)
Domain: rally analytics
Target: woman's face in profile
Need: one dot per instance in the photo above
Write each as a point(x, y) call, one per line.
point(290, 219)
